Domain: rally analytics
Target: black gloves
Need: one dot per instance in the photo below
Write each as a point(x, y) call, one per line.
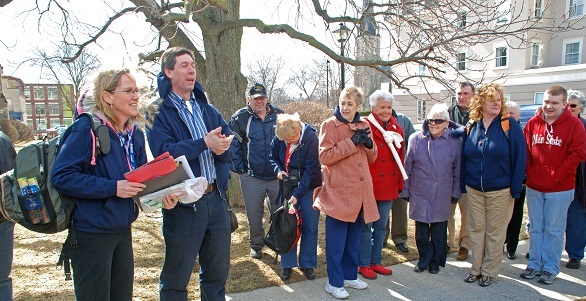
point(454, 200)
point(366, 140)
point(356, 139)
point(361, 136)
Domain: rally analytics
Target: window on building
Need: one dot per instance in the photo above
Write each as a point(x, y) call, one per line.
point(576, 8)
point(538, 9)
point(29, 123)
point(503, 10)
point(27, 92)
point(422, 70)
point(52, 93)
point(54, 108)
point(536, 55)
point(461, 22)
point(40, 109)
point(39, 92)
point(54, 122)
point(29, 109)
point(461, 61)
point(41, 124)
point(501, 57)
point(538, 98)
point(421, 110)
point(572, 51)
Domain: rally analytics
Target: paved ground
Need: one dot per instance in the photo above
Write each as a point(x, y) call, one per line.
point(405, 284)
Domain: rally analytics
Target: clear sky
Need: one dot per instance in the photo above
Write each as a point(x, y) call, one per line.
point(20, 33)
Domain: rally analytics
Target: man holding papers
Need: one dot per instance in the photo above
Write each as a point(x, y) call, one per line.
point(184, 123)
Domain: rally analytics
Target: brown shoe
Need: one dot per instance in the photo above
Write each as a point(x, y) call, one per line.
point(462, 254)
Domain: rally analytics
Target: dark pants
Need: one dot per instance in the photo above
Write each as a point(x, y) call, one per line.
point(188, 233)
point(103, 266)
point(576, 230)
point(6, 250)
point(342, 242)
point(514, 228)
point(432, 252)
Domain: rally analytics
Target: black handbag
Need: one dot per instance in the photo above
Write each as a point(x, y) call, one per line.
point(233, 218)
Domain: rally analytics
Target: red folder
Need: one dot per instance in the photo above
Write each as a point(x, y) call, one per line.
point(158, 167)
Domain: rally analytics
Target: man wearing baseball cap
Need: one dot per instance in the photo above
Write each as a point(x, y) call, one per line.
point(254, 129)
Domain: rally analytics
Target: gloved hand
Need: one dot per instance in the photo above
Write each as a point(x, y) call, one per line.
point(393, 137)
point(356, 139)
point(454, 200)
point(365, 139)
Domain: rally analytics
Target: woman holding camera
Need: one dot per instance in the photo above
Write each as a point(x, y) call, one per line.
point(294, 157)
point(347, 197)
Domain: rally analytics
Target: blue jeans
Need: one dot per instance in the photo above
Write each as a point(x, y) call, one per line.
point(6, 248)
point(103, 266)
point(342, 240)
point(547, 215)
point(202, 230)
point(372, 236)
point(576, 230)
point(308, 249)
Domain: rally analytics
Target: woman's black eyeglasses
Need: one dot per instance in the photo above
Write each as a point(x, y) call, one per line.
point(435, 121)
point(572, 105)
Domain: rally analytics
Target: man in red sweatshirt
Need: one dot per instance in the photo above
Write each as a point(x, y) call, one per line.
point(556, 144)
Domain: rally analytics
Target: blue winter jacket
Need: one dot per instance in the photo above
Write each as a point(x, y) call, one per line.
point(168, 132)
point(492, 161)
point(98, 209)
point(304, 158)
point(252, 143)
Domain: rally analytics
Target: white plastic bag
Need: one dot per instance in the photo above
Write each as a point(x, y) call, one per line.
point(188, 191)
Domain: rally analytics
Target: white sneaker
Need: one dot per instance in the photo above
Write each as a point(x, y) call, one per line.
point(337, 292)
point(356, 284)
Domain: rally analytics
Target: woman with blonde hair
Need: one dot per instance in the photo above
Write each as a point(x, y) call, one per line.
point(347, 196)
point(493, 164)
point(294, 157)
point(103, 261)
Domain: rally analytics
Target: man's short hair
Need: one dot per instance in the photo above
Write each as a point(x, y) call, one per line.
point(168, 58)
point(468, 84)
point(557, 90)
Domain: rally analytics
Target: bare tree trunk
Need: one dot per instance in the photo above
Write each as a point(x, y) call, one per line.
point(225, 85)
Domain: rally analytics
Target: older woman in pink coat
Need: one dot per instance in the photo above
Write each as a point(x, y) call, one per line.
point(347, 197)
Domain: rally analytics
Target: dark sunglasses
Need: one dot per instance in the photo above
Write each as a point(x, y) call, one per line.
point(572, 105)
point(435, 121)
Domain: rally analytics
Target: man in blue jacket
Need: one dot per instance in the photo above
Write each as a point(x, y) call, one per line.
point(254, 127)
point(184, 123)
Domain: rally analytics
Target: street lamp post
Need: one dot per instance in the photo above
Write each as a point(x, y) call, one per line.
point(327, 83)
point(342, 35)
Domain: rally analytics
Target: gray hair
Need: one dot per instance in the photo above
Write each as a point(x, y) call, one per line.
point(513, 105)
point(439, 109)
point(378, 94)
point(579, 96)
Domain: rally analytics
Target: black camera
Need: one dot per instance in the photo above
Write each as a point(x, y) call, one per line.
point(293, 179)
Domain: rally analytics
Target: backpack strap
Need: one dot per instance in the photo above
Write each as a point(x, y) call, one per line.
point(100, 136)
point(506, 124)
